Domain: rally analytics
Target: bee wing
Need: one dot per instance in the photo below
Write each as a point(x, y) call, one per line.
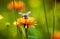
point(20, 13)
point(28, 12)
point(24, 14)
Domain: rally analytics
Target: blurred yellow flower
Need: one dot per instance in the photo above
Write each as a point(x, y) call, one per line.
point(15, 23)
point(7, 23)
point(1, 17)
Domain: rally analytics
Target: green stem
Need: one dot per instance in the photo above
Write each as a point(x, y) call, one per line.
point(46, 19)
point(26, 34)
point(16, 17)
point(26, 31)
point(54, 18)
point(18, 31)
point(8, 31)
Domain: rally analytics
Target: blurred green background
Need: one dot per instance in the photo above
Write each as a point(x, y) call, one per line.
point(46, 13)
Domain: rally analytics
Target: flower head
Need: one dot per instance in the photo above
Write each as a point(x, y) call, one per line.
point(17, 5)
point(28, 21)
point(56, 35)
point(1, 17)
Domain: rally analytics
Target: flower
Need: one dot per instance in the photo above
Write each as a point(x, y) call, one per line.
point(17, 5)
point(15, 23)
point(22, 21)
point(56, 35)
point(28, 21)
point(7, 24)
point(1, 17)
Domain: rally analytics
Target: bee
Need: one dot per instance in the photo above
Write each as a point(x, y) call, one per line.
point(25, 20)
point(25, 15)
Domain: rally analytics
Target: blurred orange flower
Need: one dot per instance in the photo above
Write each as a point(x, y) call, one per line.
point(56, 35)
point(17, 5)
point(28, 21)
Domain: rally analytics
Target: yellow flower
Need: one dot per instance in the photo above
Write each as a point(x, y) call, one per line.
point(1, 17)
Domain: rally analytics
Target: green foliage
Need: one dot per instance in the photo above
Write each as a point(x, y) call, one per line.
point(43, 19)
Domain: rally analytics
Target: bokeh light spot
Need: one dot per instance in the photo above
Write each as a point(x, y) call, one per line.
point(1, 17)
point(15, 23)
point(34, 3)
point(7, 23)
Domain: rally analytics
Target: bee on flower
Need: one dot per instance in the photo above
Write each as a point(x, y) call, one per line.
point(25, 20)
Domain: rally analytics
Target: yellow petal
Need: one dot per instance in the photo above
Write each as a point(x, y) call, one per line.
point(15, 23)
point(1, 17)
point(7, 23)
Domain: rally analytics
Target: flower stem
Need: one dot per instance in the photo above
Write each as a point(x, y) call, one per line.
point(54, 18)
point(19, 32)
point(46, 19)
point(26, 31)
point(8, 31)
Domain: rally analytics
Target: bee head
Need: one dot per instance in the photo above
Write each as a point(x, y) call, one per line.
point(25, 16)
